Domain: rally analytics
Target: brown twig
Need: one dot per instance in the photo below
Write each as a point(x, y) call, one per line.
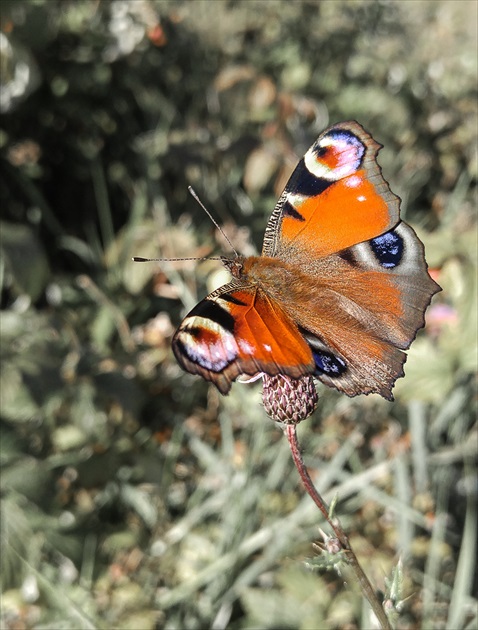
point(367, 589)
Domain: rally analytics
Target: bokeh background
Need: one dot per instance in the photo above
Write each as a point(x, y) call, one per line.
point(134, 495)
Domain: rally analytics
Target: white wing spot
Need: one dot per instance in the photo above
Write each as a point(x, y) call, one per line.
point(245, 347)
point(353, 182)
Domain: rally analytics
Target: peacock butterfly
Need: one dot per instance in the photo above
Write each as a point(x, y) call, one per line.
point(339, 291)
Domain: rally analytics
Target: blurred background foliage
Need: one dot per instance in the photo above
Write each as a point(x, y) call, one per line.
point(132, 494)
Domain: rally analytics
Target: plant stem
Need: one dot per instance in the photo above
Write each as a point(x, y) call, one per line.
point(367, 589)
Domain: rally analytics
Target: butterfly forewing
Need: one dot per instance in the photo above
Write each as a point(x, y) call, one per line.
point(237, 330)
point(335, 198)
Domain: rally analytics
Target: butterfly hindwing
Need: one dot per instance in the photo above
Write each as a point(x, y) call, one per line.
point(378, 292)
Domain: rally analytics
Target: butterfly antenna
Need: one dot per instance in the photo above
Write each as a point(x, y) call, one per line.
point(140, 259)
point(194, 194)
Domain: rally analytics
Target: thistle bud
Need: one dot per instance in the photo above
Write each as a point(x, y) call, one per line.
point(289, 400)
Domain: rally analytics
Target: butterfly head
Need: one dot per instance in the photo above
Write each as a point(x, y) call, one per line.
point(234, 265)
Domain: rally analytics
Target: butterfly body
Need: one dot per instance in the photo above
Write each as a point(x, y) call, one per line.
point(339, 291)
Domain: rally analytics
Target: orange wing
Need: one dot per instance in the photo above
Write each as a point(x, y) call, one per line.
point(335, 198)
point(238, 330)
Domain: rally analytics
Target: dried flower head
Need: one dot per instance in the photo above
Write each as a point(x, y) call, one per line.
point(289, 400)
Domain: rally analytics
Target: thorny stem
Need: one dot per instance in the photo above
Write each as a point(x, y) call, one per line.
point(367, 589)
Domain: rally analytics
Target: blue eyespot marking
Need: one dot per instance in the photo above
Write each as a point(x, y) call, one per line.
point(347, 136)
point(388, 249)
point(342, 137)
point(328, 364)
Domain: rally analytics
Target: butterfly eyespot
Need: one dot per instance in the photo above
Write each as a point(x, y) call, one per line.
point(210, 354)
point(342, 139)
point(329, 364)
point(388, 249)
point(205, 342)
point(335, 156)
